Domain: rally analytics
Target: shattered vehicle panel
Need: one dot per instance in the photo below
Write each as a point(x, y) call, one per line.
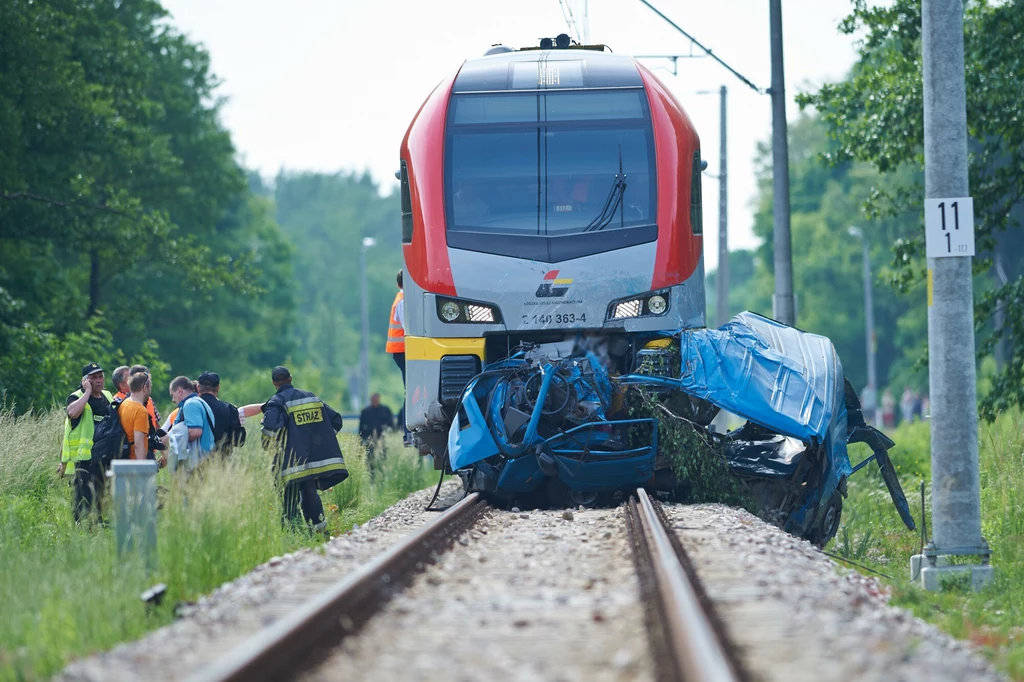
point(552, 419)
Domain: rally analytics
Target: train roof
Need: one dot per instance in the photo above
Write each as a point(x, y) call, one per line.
point(555, 69)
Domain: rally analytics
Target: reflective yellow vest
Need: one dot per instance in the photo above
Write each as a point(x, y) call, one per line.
point(77, 445)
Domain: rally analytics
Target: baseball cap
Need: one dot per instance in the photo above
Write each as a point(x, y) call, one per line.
point(211, 379)
point(91, 368)
point(280, 374)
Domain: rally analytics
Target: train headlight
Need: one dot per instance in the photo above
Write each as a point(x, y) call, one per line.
point(649, 305)
point(450, 311)
point(453, 310)
point(657, 304)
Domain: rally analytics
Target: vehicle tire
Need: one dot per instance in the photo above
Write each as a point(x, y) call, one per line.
point(827, 524)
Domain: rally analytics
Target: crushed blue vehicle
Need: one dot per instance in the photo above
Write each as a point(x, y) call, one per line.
point(550, 424)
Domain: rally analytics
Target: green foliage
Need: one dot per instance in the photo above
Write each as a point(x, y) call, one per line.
point(695, 459)
point(326, 217)
point(127, 225)
point(876, 116)
point(871, 533)
point(65, 593)
point(827, 200)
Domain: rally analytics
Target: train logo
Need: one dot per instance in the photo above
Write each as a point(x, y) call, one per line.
point(552, 286)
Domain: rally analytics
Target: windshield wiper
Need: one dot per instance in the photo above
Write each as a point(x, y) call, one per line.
point(612, 203)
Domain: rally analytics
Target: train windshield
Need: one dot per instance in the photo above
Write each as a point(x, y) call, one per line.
point(550, 163)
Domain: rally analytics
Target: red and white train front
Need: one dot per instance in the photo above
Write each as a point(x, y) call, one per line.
point(548, 195)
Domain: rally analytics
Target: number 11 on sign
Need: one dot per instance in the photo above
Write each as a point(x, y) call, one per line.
point(949, 227)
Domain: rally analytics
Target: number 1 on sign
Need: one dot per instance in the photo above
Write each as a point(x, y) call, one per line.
point(956, 216)
point(939, 228)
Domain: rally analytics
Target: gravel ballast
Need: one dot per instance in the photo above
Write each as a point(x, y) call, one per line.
point(552, 595)
point(796, 615)
point(543, 595)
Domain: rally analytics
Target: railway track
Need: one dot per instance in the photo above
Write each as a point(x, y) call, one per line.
point(291, 644)
point(685, 642)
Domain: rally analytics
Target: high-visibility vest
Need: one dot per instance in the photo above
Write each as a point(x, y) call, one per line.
point(77, 444)
point(396, 333)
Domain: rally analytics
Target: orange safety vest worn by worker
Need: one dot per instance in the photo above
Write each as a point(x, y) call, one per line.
point(396, 333)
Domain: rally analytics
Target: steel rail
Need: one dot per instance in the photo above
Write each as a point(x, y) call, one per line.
point(697, 651)
point(291, 645)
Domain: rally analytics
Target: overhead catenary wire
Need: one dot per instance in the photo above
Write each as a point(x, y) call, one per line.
point(707, 50)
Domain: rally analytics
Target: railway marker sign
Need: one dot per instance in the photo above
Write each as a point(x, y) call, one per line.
point(949, 227)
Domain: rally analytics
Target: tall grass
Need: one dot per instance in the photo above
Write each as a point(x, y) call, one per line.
point(872, 534)
point(65, 593)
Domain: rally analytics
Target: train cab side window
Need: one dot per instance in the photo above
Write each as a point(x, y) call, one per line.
point(406, 206)
point(696, 210)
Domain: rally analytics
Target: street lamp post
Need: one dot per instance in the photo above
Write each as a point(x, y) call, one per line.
point(869, 322)
point(364, 351)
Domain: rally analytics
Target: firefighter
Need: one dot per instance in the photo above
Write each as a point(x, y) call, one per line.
point(304, 431)
point(396, 344)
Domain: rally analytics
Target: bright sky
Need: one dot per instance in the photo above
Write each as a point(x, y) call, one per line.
point(331, 85)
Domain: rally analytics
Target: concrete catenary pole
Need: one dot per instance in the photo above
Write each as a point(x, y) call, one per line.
point(956, 504)
point(722, 278)
point(783, 305)
point(869, 326)
point(364, 350)
point(869, 322)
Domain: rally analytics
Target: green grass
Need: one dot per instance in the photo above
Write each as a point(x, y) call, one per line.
point(872, 534)
point(63, 591)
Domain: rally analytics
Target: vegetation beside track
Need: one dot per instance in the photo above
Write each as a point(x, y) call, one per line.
point(65, 594)
point(872, 534)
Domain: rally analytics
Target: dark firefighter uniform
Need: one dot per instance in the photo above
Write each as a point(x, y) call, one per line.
point(309, 457)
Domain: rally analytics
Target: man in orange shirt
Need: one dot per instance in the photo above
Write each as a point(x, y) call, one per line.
point(135, 418)
point(123, 390)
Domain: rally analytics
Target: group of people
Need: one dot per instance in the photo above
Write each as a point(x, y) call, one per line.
point(913, 406)
point(300, 428)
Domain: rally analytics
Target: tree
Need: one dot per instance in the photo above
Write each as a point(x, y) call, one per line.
point(126, 223)
point(876, 116)
point(326, 217)
point(826, 200)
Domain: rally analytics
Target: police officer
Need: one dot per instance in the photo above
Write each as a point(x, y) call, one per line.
point(304, 430)
point(84, 409)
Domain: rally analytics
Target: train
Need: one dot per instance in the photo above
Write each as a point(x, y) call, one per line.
point(546, 193)
point(552, 236)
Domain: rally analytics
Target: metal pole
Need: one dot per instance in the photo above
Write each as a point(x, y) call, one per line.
point(364, 352)
point(869, 327)
point(586, 22)
point(1000, 316)
point(782, 303)
point(956, 504)
point(722, 307)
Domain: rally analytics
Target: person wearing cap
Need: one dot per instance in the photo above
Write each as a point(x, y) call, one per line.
point(303, 429)
point(85, 407)
point(227, 427)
